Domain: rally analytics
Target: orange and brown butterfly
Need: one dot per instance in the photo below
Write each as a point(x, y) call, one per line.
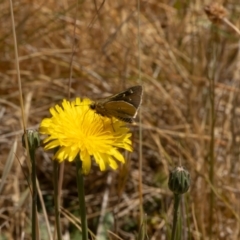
point(123, 106)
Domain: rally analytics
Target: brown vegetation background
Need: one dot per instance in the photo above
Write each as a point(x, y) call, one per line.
point(190, 70)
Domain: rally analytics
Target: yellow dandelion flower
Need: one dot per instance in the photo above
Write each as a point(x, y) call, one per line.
point(75, 129)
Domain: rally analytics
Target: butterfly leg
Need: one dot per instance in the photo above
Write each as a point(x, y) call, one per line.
point(112, 125)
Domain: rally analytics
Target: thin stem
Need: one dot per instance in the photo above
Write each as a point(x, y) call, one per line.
point(177, 198)
point(44, 210)
point(34, 194)
point(81, 198)
point(17, 67)
point(140, 121)
point(212, 129)
point(231, 25)
point(212, 158)
point(56, 199)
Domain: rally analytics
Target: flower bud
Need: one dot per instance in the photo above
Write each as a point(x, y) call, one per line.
point(33, 139)
point(179, 180)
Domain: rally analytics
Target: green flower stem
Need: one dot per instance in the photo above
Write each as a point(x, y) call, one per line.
point(81, 198)
point(177, 198)
point(56, 199)
point(31, 141)
point(34, 193)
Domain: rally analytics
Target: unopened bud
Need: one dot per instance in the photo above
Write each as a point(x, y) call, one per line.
point(179, 180)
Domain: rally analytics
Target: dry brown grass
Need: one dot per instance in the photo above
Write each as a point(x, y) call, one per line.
point(181, 52)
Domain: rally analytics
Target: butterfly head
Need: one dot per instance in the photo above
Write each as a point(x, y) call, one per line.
point(92, 106)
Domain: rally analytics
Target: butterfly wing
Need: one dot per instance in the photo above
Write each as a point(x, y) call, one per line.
point(121, 110)
point(132, 96)
point(123, 105)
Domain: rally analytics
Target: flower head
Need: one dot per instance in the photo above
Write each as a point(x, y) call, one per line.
point(75, 129)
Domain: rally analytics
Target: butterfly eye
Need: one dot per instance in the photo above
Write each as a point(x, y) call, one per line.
point(92, 106)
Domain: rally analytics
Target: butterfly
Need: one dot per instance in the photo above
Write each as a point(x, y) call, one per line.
point(123, 106)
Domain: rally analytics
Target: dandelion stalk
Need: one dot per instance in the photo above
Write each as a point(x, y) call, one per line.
point(81, 198)
point(177, 198)
point(33, 142)
point(56, 199)
point(34, 192)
